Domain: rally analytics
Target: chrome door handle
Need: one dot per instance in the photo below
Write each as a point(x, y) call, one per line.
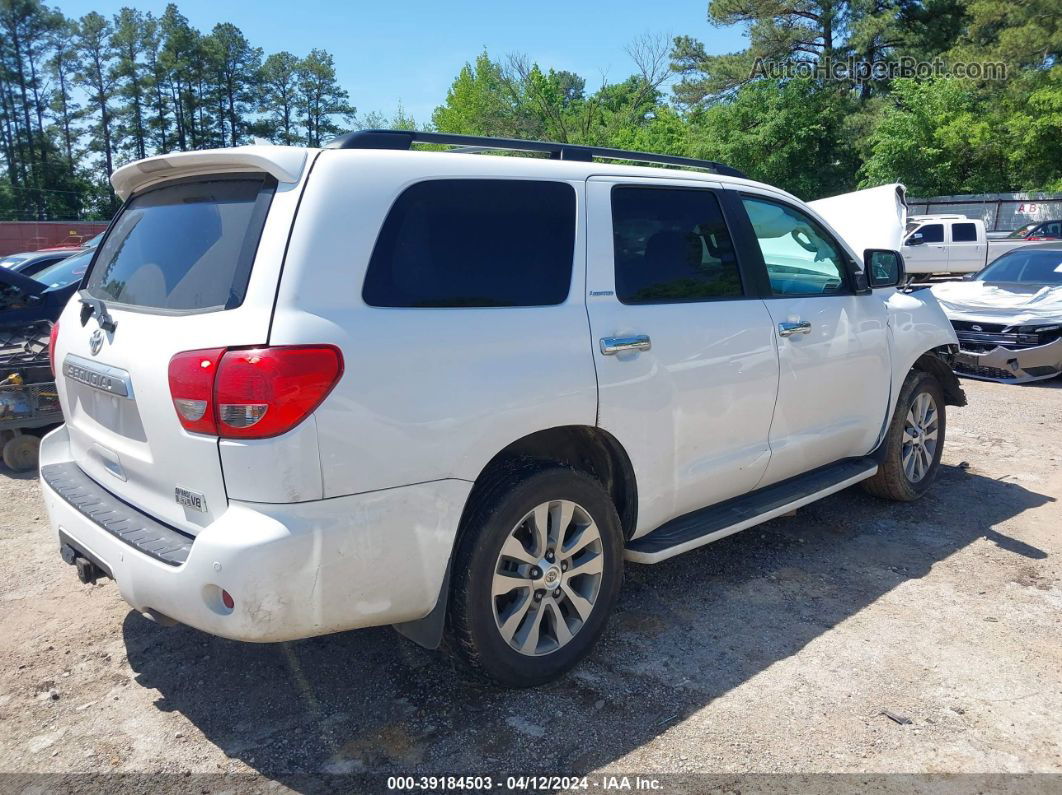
point(789, 329)
point(613, 345)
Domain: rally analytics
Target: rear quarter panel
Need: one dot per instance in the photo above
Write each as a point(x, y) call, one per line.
point(426, 394)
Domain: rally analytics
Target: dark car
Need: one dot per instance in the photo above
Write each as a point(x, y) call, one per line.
point(29, 263)
point(1039, 230)
point(26, 300)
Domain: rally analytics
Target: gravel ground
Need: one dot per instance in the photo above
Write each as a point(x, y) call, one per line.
point(780, 649)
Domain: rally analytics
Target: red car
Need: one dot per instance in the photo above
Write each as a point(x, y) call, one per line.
point(1038, 230)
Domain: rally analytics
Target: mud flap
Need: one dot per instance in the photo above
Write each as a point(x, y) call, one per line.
point(428, 631)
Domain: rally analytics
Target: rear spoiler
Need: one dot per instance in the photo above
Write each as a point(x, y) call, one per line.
point(283, 163)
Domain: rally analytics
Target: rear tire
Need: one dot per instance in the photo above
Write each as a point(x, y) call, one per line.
point(913, 442)
point(537, 571)
point(20, 453)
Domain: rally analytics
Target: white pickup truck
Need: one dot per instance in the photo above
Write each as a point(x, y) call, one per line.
point(951, 244)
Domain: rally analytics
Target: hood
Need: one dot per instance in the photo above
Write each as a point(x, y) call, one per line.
point(1013, 303)
point(24, 284)
point(871, 218)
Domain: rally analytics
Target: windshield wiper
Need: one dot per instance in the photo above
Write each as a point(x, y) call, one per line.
point(90, 306)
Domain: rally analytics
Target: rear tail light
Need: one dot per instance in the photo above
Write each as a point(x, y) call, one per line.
point(253, 393)
point(52, 337)
point(192, 388)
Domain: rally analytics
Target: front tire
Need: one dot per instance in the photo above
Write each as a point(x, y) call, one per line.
point(537, 571)
point(914, 441)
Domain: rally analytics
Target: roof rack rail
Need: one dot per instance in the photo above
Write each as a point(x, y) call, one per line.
point(404, 139)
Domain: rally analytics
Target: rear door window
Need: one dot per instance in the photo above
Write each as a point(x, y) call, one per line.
point(963, 233)
point(475, 243)
point(187, 246)
point(671, 245)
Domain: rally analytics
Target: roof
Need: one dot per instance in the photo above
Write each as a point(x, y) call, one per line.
point(286, 164)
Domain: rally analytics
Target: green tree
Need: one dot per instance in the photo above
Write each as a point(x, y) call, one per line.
point(321, 99)
point(96, 76)
point(64, 65)
point(235, 64)
point(936, 140)
point(179, 60)
point(944, 136)
point(279, 97)
point(480, 101)
point(789, 134)
point(1021, 34)
point(778, 31)
point(26, 27)
point(156, 82)
point(127, 40)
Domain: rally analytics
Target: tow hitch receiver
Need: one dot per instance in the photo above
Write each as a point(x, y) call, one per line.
point(87, 571)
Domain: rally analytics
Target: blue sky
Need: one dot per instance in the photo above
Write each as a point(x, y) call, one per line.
point(411, 50)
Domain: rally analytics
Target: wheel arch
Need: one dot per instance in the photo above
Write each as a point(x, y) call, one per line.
point(937, 362)
point(582, 447)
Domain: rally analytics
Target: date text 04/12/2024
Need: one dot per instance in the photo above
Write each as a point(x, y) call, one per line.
point(551, 783)
point(523, 783)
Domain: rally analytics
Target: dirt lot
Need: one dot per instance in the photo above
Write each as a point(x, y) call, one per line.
point(776, 650)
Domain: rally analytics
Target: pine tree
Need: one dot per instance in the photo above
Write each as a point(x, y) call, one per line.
point(321, 99)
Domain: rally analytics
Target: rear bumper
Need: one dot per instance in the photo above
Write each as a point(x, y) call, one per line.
point(293, 570)
point(1011, 365)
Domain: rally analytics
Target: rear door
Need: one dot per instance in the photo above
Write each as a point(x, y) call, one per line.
point(188, 264)
point(685, 354)
point(965, 252)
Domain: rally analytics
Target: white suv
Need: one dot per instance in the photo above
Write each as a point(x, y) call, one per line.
point(313, 390)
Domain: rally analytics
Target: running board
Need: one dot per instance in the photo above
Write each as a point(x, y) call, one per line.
point(718, 521)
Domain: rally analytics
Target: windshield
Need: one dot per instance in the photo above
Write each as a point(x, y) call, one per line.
point(1039, 266)
point(911, 226)
point(1023, 231)
point(92, 242)
point(65, 272)
point(10, 262)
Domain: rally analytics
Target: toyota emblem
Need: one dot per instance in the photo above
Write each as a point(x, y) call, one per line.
point(96, 341)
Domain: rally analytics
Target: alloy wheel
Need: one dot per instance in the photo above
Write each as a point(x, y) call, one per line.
point(920, 434)
point(547, 577)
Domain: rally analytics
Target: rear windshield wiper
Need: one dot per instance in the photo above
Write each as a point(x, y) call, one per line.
point(90, 306)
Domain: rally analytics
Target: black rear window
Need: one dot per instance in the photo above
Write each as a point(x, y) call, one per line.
point(475, 243)
point(186, 246)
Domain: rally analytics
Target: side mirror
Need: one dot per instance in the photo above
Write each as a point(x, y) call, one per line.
point(883, 267)
point(914, 240)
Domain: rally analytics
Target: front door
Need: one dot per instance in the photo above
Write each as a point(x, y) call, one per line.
point(685, 353)
point(833, 351)
point(926, 248)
